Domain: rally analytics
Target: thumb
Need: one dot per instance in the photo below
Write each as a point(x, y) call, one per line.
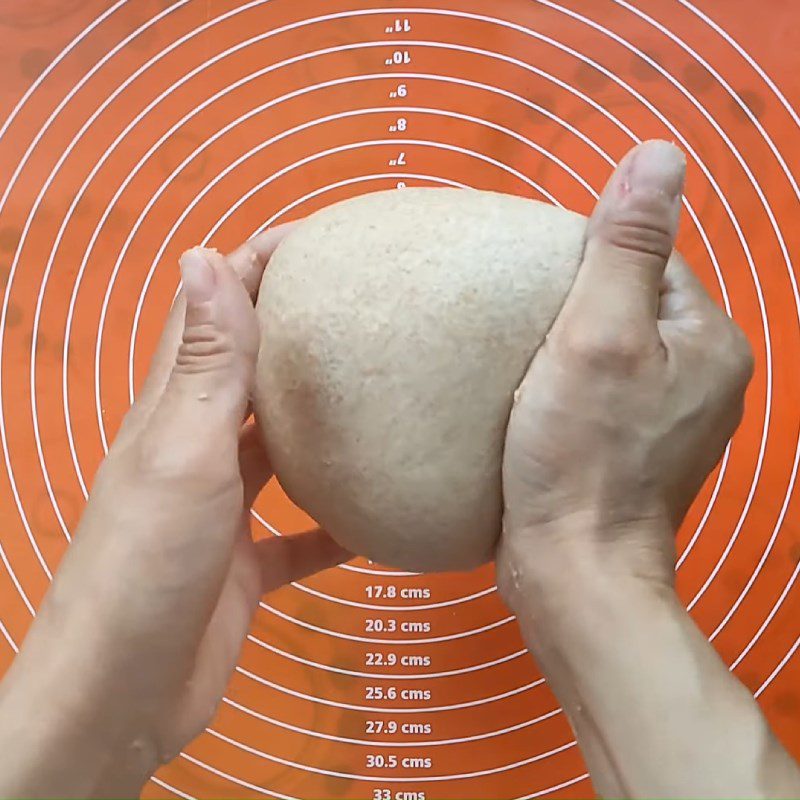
point(630, 238)
point(208, 390)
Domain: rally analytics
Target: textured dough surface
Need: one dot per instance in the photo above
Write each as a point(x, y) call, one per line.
point(395, 329)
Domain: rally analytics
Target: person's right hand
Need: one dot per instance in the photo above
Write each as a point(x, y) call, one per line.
point(632, 398)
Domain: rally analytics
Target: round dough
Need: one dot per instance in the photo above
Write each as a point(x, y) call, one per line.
point(396, 328)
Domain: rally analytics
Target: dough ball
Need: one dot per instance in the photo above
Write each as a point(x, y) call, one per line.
point(396, 328)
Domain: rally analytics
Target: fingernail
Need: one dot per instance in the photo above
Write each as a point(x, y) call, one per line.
point(197, 274)
point(658, 167)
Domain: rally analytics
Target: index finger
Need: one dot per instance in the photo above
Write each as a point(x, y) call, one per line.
point(286, 559)
point(250, 260)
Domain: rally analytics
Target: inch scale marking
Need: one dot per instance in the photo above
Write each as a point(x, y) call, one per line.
point(398, 58)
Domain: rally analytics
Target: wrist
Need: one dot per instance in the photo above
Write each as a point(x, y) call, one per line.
point(575, 609)
point(563, 562)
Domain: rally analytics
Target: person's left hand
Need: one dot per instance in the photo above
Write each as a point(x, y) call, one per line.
point(136, 641)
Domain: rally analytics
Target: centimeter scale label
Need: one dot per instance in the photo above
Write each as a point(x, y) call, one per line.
point(385, 660)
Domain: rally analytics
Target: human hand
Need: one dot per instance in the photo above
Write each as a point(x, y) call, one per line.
point(155, 595)
point(632, 398)
point(625, 410)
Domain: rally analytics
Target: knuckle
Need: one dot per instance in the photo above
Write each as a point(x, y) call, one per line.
point(619, 352)
point(154, 462)
point(204, 348)
point(639, 229)
point(730, 355)
point(741, 355)
point(159, 464)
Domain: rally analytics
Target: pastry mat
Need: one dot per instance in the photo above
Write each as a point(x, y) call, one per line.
point(134, 129)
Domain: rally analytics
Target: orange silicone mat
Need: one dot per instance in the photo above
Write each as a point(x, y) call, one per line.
point(134, 129)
